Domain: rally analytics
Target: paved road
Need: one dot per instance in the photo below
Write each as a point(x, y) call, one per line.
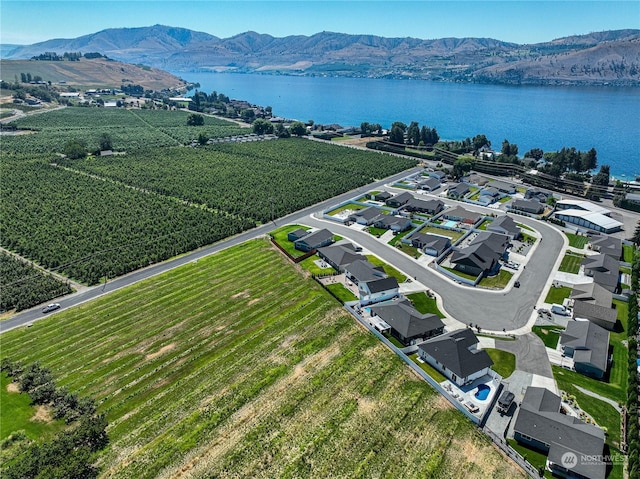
point(530, 353)
point(493, 310)
point(36, 314)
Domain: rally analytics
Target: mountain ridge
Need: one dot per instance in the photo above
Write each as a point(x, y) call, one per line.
point(596, 58)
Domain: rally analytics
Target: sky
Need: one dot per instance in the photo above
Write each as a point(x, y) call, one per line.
point(528, 21)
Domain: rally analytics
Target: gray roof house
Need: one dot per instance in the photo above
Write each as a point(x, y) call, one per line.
point(494, 193)
point(607, 245)
point(593, 302)
point(460, 214)
point(538, 195)
point(365, 216)
point(475, 179)
point(429, 184)
point(541, 425)
point(378, 290)
point(338, 256)
point(604, 270)
point(382, 196)
point(506, 226)
point(363, 270)
point(393, 223)
point(502, 186)
point(399, 200)
point(482, 254)
point(295, 235)
point(433, 245)
point(438, 174)
point(456, 356)
point(417, 205)
point(314, 240)
point(408, 325)
point(458, 191)
point(528, 206)
point(588, 345)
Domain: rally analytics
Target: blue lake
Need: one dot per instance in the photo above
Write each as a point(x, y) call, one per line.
point(604, 118)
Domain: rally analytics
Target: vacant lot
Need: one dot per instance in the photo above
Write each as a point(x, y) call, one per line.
point(238, 366)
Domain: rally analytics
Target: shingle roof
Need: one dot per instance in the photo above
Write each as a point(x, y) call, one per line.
point(388, 220)
point(341, 254)
point(432, 241)
point(406, 320)
point(459, 189)
point(607, 245)
point(384, 284)
point(424, 205)
point(368, 213)
point(539, 417)
point(527, 205)
point(502, 185)
point(587, 310)
point(317, 237)
point(604, 269)
point(478, 254)
point(452, 351)
point(590, 341)
point(592, 293)
point(459, 212)
point(362, 270)
point(431, 182)
point(505, 222)
point(496, 241)
point(402, 198)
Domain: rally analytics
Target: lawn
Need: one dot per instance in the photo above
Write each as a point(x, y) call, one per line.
point(504, 363)
point(577, 241)
point(532, 456)
point(376, 231)
point(499, 280)
point(550, 335)
point(236, 365)
point(310, 265)
point(484, 224)
point(525, 227)
point(424, 304)
point(17, 415)
point(347, 207)
point(390, 270)
point(398, 237)
point(427, 368)
point(557, 295)
point(280, 236)
point(341, 292)
point(571, 263)
point(627, 253)
point(409, 250)
point(462, 274)
point(454, 235)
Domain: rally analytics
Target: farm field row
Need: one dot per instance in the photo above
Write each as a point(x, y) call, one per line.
point(239, 366)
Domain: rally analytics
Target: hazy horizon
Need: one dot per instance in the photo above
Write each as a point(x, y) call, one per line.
point(34, 21)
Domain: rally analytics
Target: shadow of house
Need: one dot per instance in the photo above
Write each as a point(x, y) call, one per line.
point(408, 325)
point(456, 356)
point(588, 345)
point(542, 426)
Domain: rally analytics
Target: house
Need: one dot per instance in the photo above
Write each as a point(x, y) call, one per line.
point(528, 206)
point(604, 270)
point(429, 184)
point(433, 245)
point(606, 245)
point(417, 205)
point(438, 175)
point(393, 223)
point(593, 302)
point(506, 226)
point(362, 270)
point(365, 216)
point(537, 195)
point(475, 179)
point(382, 196)
point(460, 214)
point(589, 215)
point(542, 426)
point(502, 187)
point(399, 200)
point(456, 356)
point(314, 240)
point(482, 255)
point(588, 345)
point(338, 256)
point(408, 325)
point(491, 193)
point(378, 290)
point(458, 191)
point(296, 234)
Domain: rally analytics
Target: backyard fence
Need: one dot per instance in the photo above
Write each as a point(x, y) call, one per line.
point(512, 453)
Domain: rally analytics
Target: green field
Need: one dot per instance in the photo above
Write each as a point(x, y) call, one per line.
point(571, 263)
point(237, 366)
point(627, 253)
point(454, 235)
point(504, 363)
point(425, 304)
point(557, 295)
point(280, 236)
point(577, 241)
point(498, 281)
point(390, 270)
point(550, 335)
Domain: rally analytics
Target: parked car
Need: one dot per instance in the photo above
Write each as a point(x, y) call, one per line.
point(505, 401)
point(51, 307)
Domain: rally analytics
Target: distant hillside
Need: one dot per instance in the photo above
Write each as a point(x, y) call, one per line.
point(91, 73)
point(611, 57)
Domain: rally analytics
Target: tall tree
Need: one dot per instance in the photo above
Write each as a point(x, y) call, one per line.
point(297, 128)
point(636, 236)
point(589, 160)
point(105, 142)
point(413, 133)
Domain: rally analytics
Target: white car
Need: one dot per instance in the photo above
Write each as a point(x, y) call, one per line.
point(51, 307)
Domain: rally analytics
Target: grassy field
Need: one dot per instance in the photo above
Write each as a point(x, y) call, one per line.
point(504, 363)
point(425, 304)
point(557, 295)
point(627, 253)
point(454, 235)
point(427, 368)
point(238, 366)
point(390, 270)
point(499, 280)
point(347, 207)
point(571, 263)
point(280, 236)
point(577, 241)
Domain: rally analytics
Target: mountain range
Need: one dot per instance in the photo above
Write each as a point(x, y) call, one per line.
point(599, 58)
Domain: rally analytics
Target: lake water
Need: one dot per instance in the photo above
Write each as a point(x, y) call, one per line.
point(604, 118)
